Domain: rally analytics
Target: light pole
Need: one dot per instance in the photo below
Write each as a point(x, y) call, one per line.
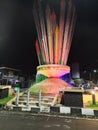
point(93, 98)
point(90, 75)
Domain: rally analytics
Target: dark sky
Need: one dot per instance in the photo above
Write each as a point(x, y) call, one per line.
point(18, 34)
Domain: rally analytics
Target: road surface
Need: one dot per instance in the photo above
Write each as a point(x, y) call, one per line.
point(29, 121)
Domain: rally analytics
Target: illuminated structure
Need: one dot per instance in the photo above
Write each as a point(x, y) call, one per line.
point(53, 44)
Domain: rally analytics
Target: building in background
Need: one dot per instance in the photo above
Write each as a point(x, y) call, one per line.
point(11, 76)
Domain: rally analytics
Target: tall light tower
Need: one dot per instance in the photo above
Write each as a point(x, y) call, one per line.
point(53, 44)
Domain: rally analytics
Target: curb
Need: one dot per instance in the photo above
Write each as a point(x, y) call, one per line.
point(55, 110)
point(75, 111)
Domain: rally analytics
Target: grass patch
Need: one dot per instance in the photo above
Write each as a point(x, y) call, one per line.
point(35, 91)
point(5, 100)
point(93, 106)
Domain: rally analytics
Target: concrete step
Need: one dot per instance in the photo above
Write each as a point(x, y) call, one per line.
point(33, 98)
point(35, 103)
point(46, 100)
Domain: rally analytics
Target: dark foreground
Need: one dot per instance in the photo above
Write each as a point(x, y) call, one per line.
point(29, 121)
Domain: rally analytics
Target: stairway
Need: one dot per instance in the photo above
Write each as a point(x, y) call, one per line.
point(45, 100)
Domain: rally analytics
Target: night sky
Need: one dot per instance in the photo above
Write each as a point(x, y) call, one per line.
point(18, 34)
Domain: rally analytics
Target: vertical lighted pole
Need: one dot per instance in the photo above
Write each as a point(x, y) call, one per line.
point(61, 30)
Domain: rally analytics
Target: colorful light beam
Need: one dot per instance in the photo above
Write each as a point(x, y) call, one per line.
point(54, 37)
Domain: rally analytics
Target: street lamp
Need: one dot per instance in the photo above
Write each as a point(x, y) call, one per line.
point(94, 71)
